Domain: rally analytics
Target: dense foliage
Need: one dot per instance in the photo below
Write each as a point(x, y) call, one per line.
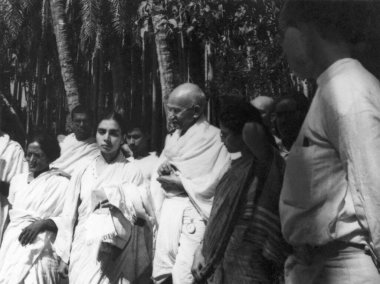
point(129, 54)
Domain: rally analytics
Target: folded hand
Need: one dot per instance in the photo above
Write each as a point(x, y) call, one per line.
point(198, 264)
point(171, 184)
point(105, 204)
point(29, 233)
point(166, 169)
point(63, 269)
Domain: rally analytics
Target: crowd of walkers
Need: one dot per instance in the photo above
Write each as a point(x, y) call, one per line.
point(281, 192)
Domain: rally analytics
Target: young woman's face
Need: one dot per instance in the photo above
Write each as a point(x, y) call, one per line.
point(109, 136)
point(234, 143)
point(37, 159)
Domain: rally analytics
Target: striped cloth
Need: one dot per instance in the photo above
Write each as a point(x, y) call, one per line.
point(243, 242)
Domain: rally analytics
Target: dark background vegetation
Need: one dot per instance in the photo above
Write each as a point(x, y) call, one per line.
point(128, 55)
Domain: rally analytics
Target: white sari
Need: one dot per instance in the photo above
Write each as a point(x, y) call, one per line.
point(79, 247)
point(40, 199)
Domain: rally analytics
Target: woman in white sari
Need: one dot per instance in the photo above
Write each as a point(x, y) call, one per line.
point(96, 237)
point(26, 254)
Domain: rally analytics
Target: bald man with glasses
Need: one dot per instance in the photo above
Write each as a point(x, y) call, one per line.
point(191, 164)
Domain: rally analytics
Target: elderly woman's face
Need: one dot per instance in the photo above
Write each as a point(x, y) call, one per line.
point(37, 159)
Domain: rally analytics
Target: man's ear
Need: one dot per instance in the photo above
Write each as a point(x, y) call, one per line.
point(197, 111)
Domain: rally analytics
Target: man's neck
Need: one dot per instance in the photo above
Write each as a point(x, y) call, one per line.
point(328, 54)
point(109, 158)
point(141, 155)
point(186, 128)
point(37, 173)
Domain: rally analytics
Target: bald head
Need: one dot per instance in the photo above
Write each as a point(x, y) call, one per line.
point(185, 106)
point(190, 94)
point(263, 103)
point(266, 106)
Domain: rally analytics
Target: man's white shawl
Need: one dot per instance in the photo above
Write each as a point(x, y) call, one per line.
point(75, 154)
point(12, 160)
point(201, 160)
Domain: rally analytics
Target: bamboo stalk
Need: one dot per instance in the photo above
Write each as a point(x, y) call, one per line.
point(144, 77)
point(38, 118)
point(206, 70)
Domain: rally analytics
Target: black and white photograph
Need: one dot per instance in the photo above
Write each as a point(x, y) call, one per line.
point(189, 142)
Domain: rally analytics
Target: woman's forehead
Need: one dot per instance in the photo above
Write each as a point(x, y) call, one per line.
point(109, 124)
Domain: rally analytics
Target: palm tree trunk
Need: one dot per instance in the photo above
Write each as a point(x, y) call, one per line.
point(65, 57)
point(157, 133)
point(165, 58)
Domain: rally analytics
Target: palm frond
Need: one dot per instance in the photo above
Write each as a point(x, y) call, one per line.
point(119, 15)
point(28, 5)
point(90, 15)
point(11, 12)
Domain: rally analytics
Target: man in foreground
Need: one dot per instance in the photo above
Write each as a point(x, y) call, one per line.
point(330, 200)
point(191, 164)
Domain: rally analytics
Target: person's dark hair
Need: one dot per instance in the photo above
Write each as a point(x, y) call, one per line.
point(236, 112)
point(116, 117)
point(49, 145)
point(302, 103)
point(82, 109)
point(334, 19)
point(136, 125)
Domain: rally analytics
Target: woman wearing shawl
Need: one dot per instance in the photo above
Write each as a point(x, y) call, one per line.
point(96, 238)
point(242, 242)
point(27, 255)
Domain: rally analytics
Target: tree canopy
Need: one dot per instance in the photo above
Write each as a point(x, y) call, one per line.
point(128, 55)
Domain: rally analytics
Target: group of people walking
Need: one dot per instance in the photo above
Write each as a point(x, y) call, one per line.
point(233, 204)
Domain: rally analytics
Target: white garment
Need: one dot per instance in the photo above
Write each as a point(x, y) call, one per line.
point(75, 154)
point(40, 199)
point(12, 162)
point(87, 188)
point(146, 165)
point(335, 158)
point(175, 249)
point(201, 160)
